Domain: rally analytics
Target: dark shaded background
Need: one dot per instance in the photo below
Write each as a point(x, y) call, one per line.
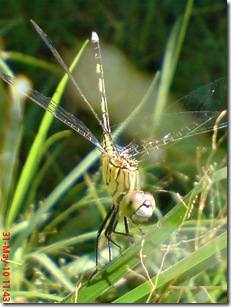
point(138, 28)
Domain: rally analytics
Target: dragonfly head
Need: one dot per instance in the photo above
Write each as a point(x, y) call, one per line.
point(138, 205)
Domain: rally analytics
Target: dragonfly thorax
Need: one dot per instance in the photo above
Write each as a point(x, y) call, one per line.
point(119, 175)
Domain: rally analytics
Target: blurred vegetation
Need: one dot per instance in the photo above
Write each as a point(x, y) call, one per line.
point(139, 29)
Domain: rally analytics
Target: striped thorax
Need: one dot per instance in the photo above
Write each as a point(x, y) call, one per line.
point(121, 176)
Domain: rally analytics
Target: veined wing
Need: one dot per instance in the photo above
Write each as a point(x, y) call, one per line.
point(57, 111)
point(204, 105)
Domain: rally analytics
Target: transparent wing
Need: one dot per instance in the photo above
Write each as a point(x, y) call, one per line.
point(193, 114)
point(49, 105)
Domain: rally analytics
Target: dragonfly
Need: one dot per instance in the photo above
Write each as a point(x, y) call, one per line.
point(120, 165)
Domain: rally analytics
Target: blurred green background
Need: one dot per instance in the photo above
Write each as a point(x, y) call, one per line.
point(138, 28)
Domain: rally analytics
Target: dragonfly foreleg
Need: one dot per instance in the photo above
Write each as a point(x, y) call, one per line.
point(126, 233)
point(111, 229)
point(97, 241)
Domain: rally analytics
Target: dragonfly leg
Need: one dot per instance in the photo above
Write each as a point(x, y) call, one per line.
point(140, 230)
point(111, 229)
point(130, 236)
point(97, 241)
point(126, 233)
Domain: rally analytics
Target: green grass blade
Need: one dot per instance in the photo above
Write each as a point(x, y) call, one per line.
point(38, 295)
point(56, 194)
point(34, 155)
point(53, 269)
point(197, 262)
point(11, 140)
point(171, 56)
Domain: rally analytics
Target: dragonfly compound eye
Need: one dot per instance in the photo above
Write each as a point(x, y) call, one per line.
point(138, 205)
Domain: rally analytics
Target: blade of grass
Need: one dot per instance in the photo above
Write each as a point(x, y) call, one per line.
point(10, 144)
point(171, 56)
point(34, 155)
point(53, 269)
point(46, 297)
point(200, 260)
point(28, 60)
point(43, 170)
point(50, 201)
